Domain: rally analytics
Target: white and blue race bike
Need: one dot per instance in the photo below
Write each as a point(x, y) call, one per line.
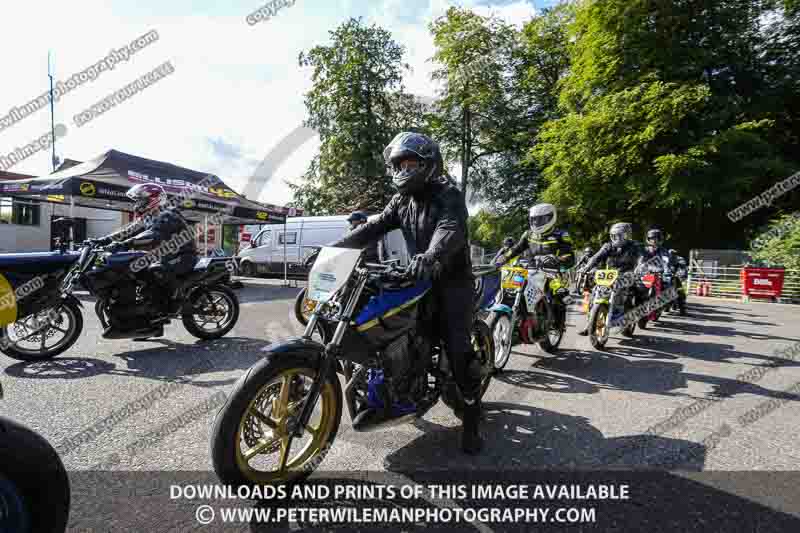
point(282, 416)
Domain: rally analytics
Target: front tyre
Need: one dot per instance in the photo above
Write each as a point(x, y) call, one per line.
point(554, 336)
point(250, 440)
point(598, 331)
point(43, 335)
point(211, 312)
point(500, 326)
point(34, 486)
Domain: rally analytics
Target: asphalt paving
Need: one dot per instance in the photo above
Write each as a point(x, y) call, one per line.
point(672, 397)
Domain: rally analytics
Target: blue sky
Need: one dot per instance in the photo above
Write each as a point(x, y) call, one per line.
point(236, 91)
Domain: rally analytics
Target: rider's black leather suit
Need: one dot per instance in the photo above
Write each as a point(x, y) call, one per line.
point(434, 222)
point(169, 239)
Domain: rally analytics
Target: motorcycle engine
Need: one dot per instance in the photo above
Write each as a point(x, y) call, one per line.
point(128, 302)
point(405, 361)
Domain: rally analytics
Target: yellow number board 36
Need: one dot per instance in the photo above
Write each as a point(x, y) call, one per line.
point(606, 278)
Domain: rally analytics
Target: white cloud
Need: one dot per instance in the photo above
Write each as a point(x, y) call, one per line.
point(236, 88)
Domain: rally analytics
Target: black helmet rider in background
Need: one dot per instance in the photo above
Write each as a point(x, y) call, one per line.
point(372, 252)
point(432, 215)
point(508, 243)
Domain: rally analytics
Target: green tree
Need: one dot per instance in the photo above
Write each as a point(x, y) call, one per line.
point(472, 52)
point(357, 104)
point(671, 118)
point(779, 243)
point(488, 229)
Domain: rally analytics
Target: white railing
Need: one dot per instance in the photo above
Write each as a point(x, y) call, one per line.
point(726, 282)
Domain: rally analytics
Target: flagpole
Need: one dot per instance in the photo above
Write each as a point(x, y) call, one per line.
point(52, 112)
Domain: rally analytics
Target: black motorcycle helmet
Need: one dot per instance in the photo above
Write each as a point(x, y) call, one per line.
point(655, 237)
point(508, 242)
point(424, 161)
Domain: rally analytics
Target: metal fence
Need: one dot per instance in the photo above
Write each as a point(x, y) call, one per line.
point(718, 274)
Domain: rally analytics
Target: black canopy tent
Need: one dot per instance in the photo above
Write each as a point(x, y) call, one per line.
point(101, 183)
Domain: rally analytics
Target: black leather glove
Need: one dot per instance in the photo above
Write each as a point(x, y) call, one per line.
point(98, 242)
point(115, 247)
point(424, 267)
point(547, 261)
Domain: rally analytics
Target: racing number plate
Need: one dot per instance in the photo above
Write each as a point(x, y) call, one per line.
point(606, 278)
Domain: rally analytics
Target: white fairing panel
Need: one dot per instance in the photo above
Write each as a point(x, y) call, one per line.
point(331, 271)
point(534, 288)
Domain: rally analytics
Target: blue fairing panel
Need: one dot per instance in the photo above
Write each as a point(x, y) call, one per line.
point(390, 299)
point(42, 258)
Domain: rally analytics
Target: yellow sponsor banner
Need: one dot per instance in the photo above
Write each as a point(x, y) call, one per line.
point(55, 197)
point(8, 302)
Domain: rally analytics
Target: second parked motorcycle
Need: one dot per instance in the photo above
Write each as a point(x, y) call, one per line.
point(47, 317)
point(531, 308)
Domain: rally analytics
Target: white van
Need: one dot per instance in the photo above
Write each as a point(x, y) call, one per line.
point(301, 235)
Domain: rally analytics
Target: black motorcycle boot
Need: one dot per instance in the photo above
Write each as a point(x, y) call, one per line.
point(471, 441)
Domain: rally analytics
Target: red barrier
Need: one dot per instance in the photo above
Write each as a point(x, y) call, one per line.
point(762, 282)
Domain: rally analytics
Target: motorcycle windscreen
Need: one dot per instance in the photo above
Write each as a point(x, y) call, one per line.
point(8, 302)
point(331, 271)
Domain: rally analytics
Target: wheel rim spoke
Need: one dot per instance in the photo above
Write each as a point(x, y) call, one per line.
point(286, 444)
point(283, 405)
point(258, 448)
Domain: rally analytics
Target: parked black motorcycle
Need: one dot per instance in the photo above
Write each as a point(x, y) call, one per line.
point(45, 319)
point(34, 486)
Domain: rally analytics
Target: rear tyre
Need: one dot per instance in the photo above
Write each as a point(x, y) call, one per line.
point(67, 320)
point(217, 305)
point(34, 486)
point(598, 332)
point(483, 346)
point(255, 418)
point(628, 330)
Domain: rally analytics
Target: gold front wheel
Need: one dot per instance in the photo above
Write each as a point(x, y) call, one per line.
point(255, 438)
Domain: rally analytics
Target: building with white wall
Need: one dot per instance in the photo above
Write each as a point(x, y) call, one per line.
point(26, 225)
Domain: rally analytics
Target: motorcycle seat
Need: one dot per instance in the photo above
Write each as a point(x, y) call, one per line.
point(19, 259)
point(35, 262)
